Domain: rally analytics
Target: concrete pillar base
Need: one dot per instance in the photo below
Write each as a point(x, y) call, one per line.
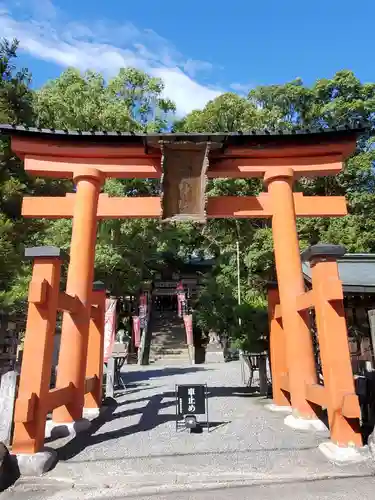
point(90, 413)
point(371, 444)
point(305, 424)
point(56, 430)
point(278, 409)
point(347, 454)
point(191, 351)
point(214, 357)
point(36, 464)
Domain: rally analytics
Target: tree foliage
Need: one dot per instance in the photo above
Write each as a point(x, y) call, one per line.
point(15, 107)
point(128, 250)
point(328, 103)
point(131, 101)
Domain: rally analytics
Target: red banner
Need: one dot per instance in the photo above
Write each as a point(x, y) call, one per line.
point(188, 321)
point(109, 327)
point(143, 300)
point(136, 331)
point(179, 306)
point(180, 297)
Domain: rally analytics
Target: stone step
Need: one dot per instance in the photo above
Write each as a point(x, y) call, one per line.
point(170, 355)
point(168, 348)
point(165, 349)
point(168, 341)
point(170, 344)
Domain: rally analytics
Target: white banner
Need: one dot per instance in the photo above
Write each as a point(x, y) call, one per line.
point(109, 327)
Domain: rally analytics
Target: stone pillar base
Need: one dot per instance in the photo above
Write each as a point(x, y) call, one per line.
point(371, 443)
point(347, 454)
point(36, 464)
point(214, 357)
point(91, 413)
point(56, 430)
point(214, 353)
point(191, 351)
point(278, 409)
point(305, 424)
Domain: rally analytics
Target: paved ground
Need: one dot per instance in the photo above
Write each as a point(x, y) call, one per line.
point(135, 450)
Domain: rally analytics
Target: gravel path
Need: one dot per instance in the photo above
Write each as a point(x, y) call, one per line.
point(135, 445)
point(138, 436)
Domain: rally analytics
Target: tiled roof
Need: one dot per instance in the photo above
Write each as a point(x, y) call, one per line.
point(239, 137)
point(357, 272)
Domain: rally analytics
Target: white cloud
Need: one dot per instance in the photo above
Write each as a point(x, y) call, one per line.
point(192, 67)
point(241, 88)
point(45, 33)
point(181, 88)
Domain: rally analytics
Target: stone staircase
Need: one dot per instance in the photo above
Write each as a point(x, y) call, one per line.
point(168, 341)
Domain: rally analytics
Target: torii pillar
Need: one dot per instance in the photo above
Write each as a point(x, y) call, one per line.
point(299, 347)
point(75, 326)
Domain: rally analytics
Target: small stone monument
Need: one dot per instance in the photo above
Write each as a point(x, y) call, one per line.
point(214, 349)
point(8, 391)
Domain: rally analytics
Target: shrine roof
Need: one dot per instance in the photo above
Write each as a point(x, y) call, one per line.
point(356, 271)
point(305, 135)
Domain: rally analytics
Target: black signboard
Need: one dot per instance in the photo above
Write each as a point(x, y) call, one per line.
point(191, 400)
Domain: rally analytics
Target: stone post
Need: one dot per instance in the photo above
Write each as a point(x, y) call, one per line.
point(8, 391)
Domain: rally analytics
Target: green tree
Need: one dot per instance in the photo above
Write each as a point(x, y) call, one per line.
point(15, 107)
point(328, 103)
point(227, 113)
point(132, 101)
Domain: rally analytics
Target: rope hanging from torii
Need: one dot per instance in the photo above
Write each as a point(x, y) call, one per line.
point(184, 166)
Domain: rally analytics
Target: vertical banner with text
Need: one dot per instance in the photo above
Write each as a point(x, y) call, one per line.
point(109, 327)
point(188, 321)
point(180, 298)
point(137, 331)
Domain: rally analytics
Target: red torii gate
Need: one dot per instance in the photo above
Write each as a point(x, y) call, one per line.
point(89, 158)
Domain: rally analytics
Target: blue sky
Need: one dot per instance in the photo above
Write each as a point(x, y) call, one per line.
point(199, 48)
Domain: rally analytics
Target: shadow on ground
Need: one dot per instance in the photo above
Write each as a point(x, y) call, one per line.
point(132, 377)
point(227, 392)
point(149, 415)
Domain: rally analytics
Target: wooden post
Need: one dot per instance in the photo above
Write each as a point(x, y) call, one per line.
point(75, 326)
point(277, 348)
point(299, 348)
point(343, 406)
point(31, 412)
point(94, 364)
